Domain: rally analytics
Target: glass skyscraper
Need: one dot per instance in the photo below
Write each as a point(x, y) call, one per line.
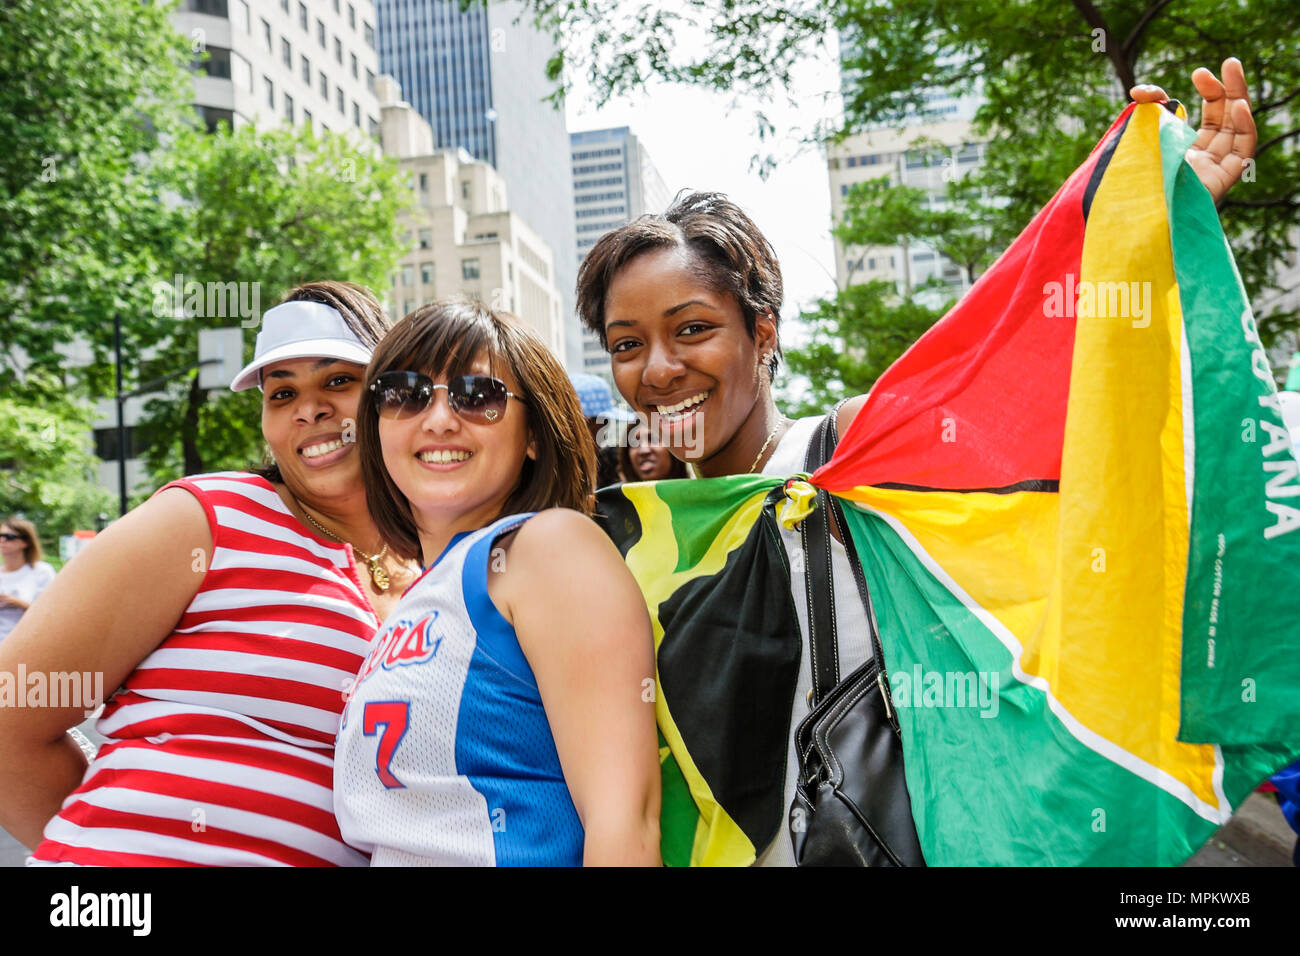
point(479, 79)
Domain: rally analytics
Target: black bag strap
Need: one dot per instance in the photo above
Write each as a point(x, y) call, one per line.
point(823, 637)
point(815, 538)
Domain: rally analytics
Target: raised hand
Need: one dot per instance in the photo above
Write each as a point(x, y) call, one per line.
point(1227, 137)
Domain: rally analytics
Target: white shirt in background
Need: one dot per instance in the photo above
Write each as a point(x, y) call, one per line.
point(25, 584)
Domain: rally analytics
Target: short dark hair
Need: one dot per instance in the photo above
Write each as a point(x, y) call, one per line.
point(32, 553)
point(728, 250)
point(361, 312)
point(444, 338)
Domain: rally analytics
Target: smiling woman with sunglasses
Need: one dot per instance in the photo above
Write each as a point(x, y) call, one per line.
point(502, 715)
point(232, 611)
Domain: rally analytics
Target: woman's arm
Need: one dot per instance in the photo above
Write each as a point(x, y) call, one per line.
point(103, 613)
point(583, 626)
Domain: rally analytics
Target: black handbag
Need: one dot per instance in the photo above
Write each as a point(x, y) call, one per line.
point(851, 805)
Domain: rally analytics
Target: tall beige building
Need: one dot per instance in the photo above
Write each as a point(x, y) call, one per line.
point(924, 156)
point(265, 63)
point(464, 238)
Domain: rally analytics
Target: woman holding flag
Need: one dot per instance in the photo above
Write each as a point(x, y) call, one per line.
point(688, 306)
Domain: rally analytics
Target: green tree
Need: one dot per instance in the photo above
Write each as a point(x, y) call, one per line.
point(91, 91)
point(265, 211)
point(855, 335)
point(1053, 74)
point(48, 468)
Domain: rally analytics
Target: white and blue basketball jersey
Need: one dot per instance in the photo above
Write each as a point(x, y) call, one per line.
point(444, 754)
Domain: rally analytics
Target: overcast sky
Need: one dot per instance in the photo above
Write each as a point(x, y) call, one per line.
point(697, 139)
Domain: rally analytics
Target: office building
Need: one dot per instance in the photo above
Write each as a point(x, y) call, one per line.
point(465, 237)
point(925, 151)
point(614, 182)
point(479, 78)
point(267, 63)
point(285, 61)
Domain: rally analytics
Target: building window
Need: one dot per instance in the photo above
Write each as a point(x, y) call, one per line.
point(270, 91)
point(853, 161)
point(370, 80)
point(338, 50)
point(343, 106)
point(286, 53)
point(469, 268)
point(288, 107)
point(426, 272)
point(284, 5)
point(355, 74)
point(320, 33)
point(241, 73)
point(369, 32)
point(352, 16)
point(302, 17)
point(424, 182)
point(242, 16)
point(356, 114)
point(336, 6)
point(426, 238)
point(408, 276)
point(464, 189)
point(306, 119)
point(217, 64)
point(324, 87)
point(306, 70)
point(266, 36)
point(408, 306)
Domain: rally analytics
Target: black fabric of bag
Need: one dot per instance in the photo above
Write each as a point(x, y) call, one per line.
point(851, 804)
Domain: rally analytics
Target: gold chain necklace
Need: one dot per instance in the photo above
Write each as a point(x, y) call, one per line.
point(772, 434)
point(377, 572)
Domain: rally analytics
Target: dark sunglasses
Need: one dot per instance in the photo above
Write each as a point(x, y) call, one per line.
point(480, 399)
point(10, 536)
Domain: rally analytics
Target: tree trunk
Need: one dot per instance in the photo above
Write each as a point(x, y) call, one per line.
point(190, 428)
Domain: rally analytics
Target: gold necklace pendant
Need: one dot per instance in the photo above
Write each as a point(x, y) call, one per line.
point(377, 573)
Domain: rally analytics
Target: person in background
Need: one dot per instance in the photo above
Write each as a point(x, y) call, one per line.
point(24, 574)
point(603, 418)
point(640, 459)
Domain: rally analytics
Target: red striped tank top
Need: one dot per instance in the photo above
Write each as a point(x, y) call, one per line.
point(220, 744)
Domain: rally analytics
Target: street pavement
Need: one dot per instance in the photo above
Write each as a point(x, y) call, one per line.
point(1257, 835)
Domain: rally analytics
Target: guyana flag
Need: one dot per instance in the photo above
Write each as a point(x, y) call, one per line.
point(1078, 513)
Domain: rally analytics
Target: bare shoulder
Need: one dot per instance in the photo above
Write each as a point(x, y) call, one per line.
point(169, 521)
point(558, 553)
point(848, 412)
point(563, 534)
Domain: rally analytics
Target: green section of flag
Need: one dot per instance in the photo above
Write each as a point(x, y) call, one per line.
point(1241, 658)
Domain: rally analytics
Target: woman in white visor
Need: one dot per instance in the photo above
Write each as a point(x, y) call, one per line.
point(229, 613)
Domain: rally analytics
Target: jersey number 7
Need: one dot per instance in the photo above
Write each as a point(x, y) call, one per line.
point(390, 715)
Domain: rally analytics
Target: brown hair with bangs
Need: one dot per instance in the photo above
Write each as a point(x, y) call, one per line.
point(444, 338)
point(729, 253)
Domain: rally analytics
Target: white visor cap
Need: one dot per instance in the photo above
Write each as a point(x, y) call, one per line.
point(297, 330)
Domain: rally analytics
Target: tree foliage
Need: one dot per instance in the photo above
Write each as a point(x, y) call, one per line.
point(266, 211)
point(91, 92)
point(1053, 75)
point(48, 468)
